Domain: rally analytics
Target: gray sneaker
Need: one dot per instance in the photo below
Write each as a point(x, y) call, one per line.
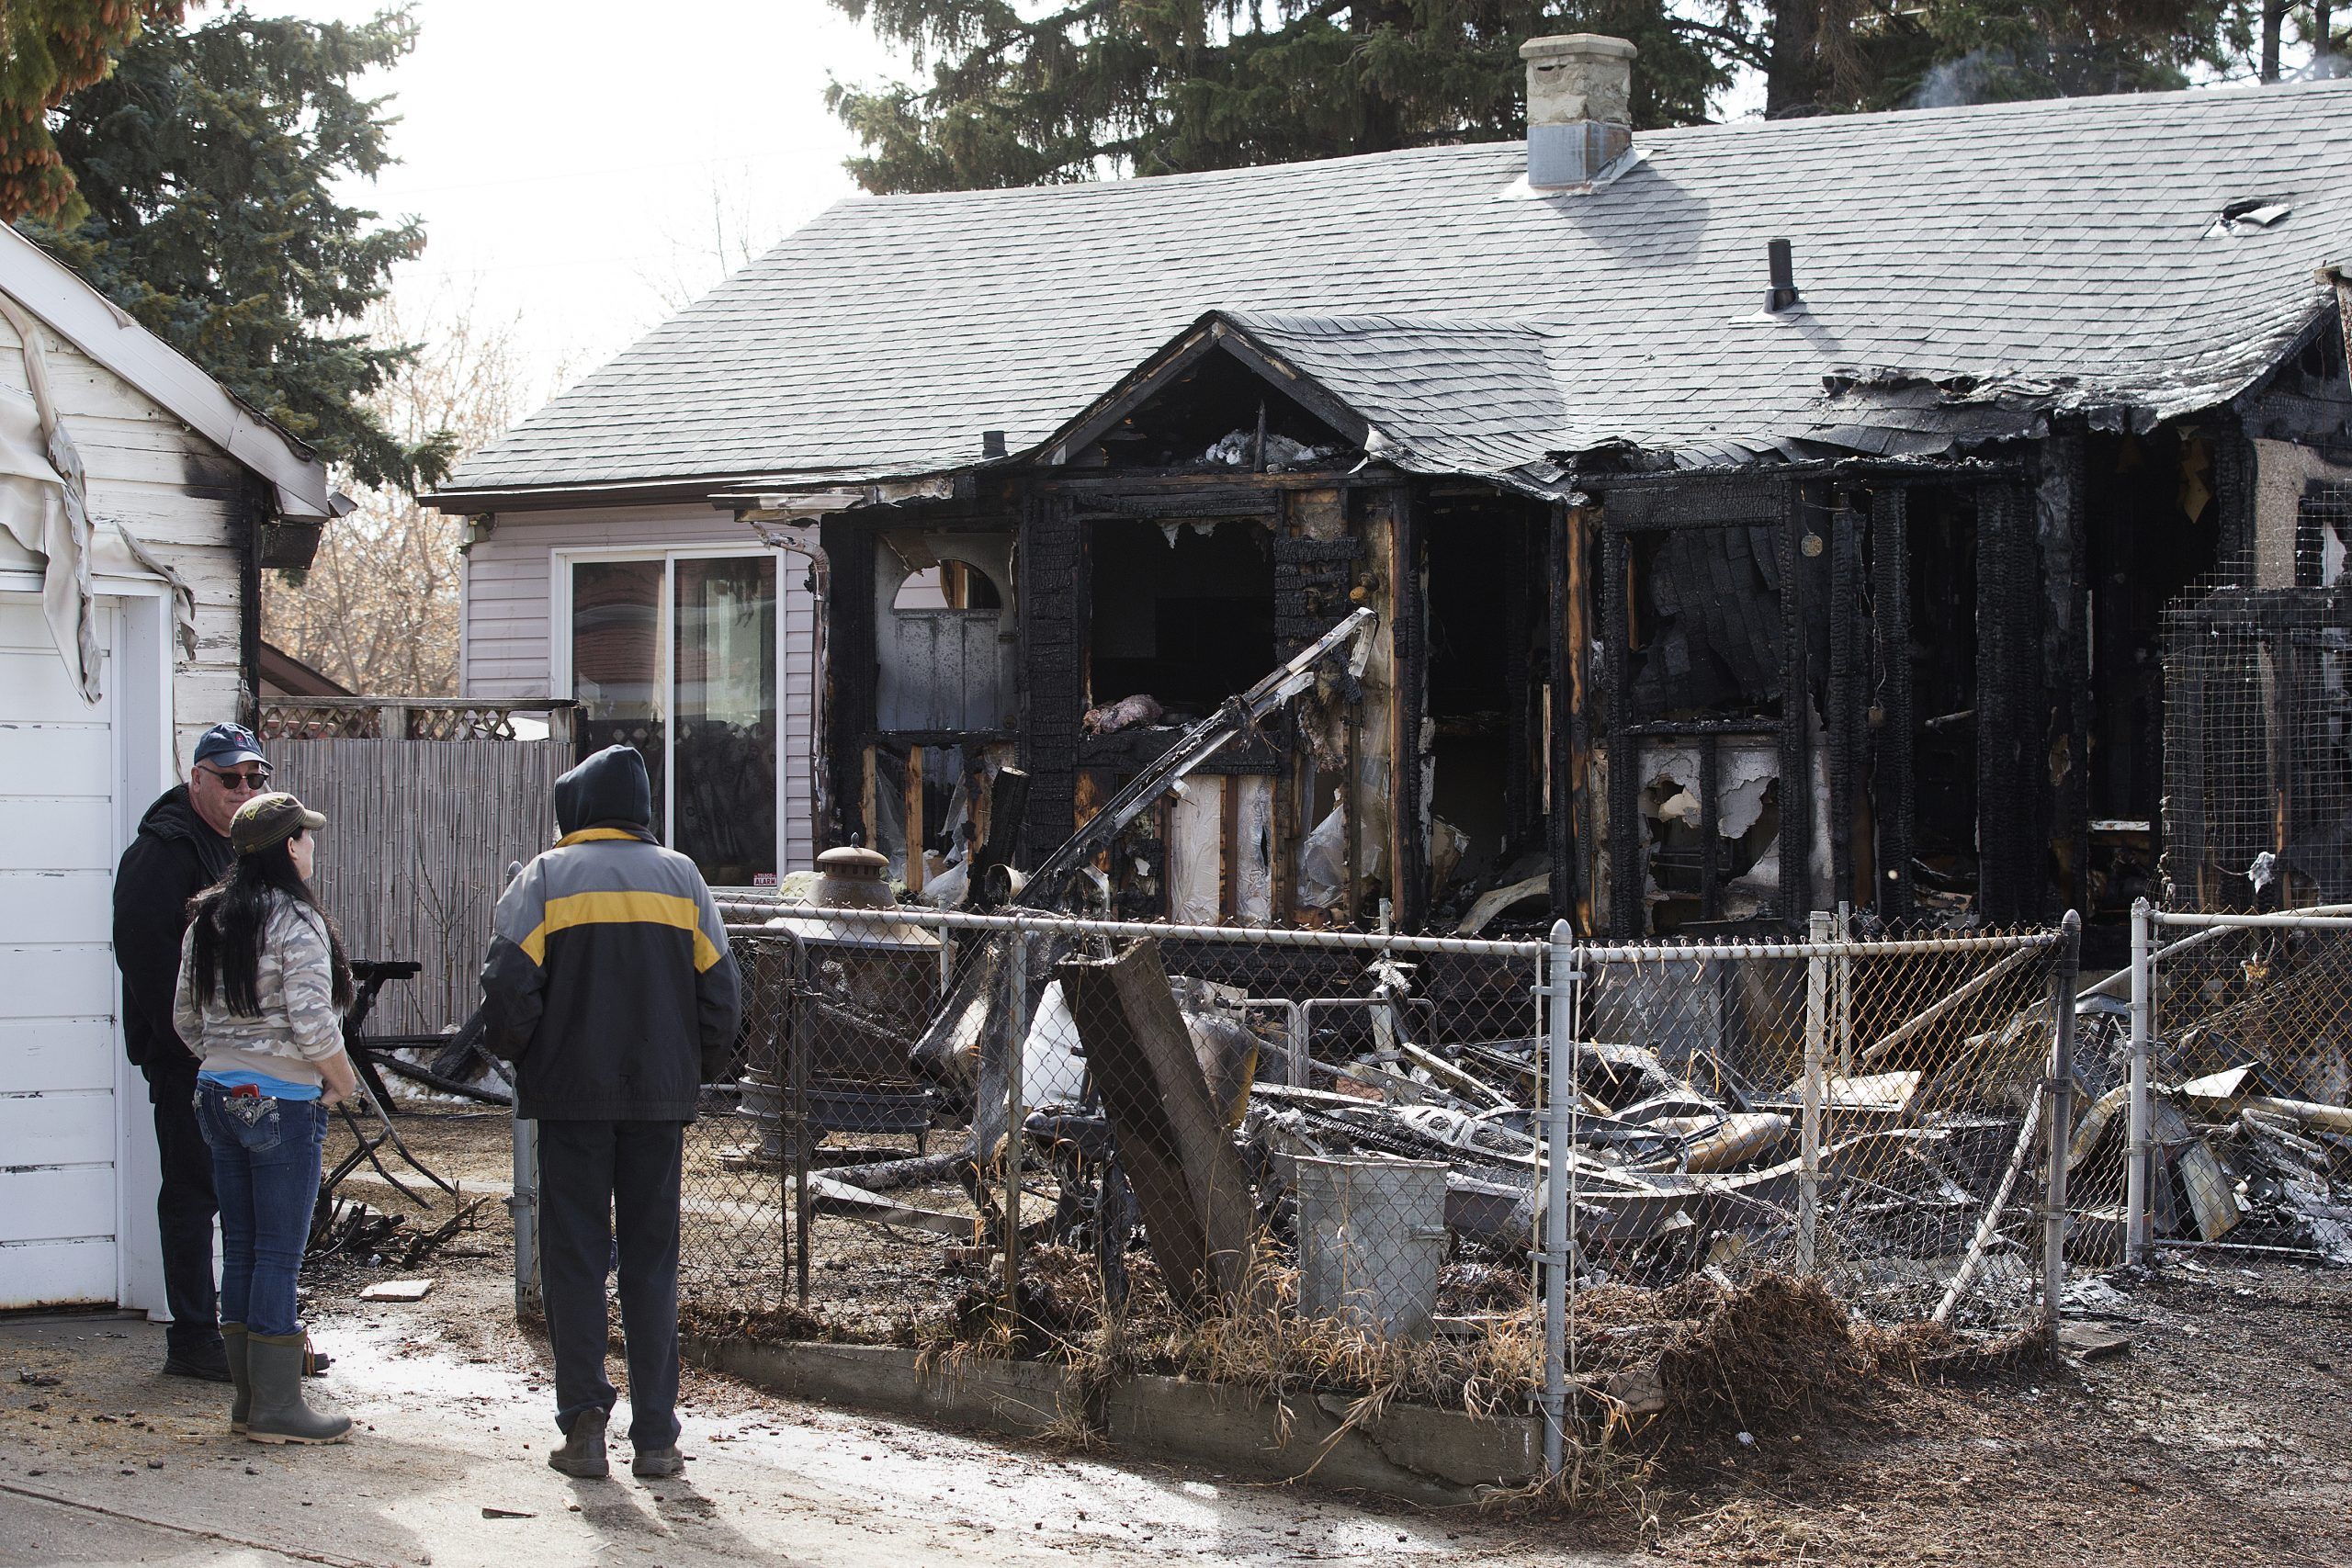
point(657, 1464)
point(582, 1453)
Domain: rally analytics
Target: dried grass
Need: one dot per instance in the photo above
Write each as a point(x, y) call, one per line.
point(1749, 1356)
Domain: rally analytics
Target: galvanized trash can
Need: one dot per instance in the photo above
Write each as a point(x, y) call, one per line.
point(1371, 1237)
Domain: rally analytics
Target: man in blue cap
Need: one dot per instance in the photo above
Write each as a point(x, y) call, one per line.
point(182, 849)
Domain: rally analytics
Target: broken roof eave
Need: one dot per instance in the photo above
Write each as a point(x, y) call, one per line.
point(97, 327)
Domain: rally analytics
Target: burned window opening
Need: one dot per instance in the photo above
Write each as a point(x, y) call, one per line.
point(2150, 526)
point(950, 585)
point(1713, 570)
point(944, 643)
point(1703, 634)
point(1710, 814)
point(1488, 596)
point(1182, 617)
point(1941, 529)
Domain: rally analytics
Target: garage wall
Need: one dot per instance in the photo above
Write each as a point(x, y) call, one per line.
point(78, 1177)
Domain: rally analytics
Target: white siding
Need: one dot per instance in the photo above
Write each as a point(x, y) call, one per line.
point(172, 488)
point(506, 652)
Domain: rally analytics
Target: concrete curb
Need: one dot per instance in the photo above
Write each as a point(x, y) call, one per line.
point(1415, 1452)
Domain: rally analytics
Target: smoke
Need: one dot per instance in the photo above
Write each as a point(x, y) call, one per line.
point(1968, 80)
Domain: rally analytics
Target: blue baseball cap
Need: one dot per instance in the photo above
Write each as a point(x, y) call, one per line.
point(226, 745)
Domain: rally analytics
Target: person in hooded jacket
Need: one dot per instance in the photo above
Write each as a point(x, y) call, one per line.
point(182, 848)
point(610, 986)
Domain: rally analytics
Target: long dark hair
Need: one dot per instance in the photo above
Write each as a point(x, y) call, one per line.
point(231, 917)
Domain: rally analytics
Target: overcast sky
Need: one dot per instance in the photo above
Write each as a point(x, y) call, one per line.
point(579, 164)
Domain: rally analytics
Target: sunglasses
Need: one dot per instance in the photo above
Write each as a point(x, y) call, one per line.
point(257, 779)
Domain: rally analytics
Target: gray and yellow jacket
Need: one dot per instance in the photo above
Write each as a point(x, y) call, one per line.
point(609, 983)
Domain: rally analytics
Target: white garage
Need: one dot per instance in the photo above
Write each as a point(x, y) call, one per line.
point(68, 771)
point(123, 633)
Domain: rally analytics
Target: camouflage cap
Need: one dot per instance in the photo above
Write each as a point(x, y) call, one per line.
point(267, 818)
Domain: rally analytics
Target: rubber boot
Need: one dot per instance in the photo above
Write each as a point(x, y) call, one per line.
point(232, 1340)
point(273, 1365)
point(582, 1453)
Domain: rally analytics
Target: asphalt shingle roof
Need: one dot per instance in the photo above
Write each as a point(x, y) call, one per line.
point(1962, 270)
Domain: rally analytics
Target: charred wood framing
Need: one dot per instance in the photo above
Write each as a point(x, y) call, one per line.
point(1409, 611)
point(1770, 508)
point(2065, 646)
point(2012, 798)
point(2234, 498)
point(1311, 582)
point(1796, 720)
point(1849, 727)
point(1520, 804)
point(1569, 832)
point(1624, 835)
point(1892, 801)
point(1052, 619)
point(849, 674)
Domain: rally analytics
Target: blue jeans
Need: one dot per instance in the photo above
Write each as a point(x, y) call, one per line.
point(266, 1175)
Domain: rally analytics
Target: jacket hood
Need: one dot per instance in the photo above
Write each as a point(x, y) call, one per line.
point(173, 817)
point(610, 789)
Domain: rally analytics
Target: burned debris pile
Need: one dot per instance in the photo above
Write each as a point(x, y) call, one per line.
point(2249, 1101)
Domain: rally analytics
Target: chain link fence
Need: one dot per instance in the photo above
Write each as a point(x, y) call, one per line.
point(1322, 1159)
point(1867, 1113)
point(2223, 1116)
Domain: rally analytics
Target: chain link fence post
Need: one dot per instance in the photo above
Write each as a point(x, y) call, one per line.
point(523, 1208)
point(1816, 1039)
point(1558, 984)
point(796, 1047)
point(1842, 975)
point(1015, 1139)
point(2060, 1116)
point(2137, 1230)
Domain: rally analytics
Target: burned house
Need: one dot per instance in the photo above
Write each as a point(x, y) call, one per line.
point(1756, 517)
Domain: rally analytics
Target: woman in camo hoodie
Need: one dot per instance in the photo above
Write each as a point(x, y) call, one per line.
point(263, 985)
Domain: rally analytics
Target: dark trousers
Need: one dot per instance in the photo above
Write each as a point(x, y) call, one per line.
point(601, 1182)
point(184, 1207)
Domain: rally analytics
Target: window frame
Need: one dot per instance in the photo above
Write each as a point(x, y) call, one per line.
point(560, 674)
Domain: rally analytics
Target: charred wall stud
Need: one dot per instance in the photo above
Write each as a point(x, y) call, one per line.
point(2058, 504)
point(849, 705)
point(1891, 795)
point(1796, 719)
point(1053, 691)
point(2012, 840)
point(1848, 727)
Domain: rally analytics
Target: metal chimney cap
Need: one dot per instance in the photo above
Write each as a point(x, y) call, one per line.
point(1598, 45)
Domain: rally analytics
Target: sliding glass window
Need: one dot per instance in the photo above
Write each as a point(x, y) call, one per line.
point(676, 656)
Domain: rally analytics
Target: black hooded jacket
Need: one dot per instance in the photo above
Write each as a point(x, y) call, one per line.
point(175, 857)
point(609, 983)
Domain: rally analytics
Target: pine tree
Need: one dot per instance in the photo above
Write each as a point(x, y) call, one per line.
point(207, 161)
point(1101, 87)
point(1833, 56)
point(56, 48)
point(1097, 89)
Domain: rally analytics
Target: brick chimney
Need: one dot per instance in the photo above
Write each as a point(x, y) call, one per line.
point(1580, 90)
